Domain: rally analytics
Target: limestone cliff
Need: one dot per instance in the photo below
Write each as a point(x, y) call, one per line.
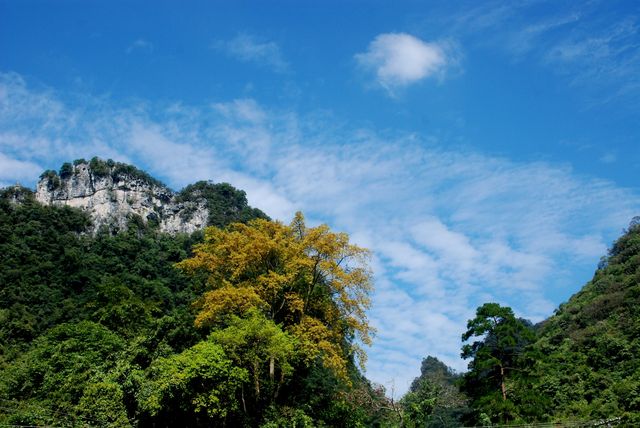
point(112, 193)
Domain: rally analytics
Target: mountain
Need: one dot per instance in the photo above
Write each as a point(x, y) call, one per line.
point(113, 193)
point(589, 365)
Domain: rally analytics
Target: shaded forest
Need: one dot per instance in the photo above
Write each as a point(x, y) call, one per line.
point(253, 322)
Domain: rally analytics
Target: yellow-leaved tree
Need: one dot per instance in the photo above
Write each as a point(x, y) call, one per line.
point(309, 281)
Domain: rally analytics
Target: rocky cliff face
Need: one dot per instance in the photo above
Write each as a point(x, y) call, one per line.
point(113, 193)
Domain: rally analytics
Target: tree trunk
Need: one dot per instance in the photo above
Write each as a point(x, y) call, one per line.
point(272, 368)
point(256, 380)
point(502, 385)
point(275, 395)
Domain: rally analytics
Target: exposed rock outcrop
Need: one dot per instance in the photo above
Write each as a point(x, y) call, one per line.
point(113, 193)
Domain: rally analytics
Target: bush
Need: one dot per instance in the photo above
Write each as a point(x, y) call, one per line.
point(66, 170)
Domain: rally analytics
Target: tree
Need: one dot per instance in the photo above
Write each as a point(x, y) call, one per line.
point(199, 383)
point(503, 339)
point(102, 404)
point(59, 367)
point(256, 343)
point(310, 281)
point(66, 170)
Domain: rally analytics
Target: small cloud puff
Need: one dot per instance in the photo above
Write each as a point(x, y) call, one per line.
point(140, 45)
point(609, 158)
point(400, 59)
point(246, 48)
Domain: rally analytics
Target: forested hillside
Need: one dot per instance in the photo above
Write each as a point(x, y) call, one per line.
point(107, 330)
point(589, 350)
point(252, 322)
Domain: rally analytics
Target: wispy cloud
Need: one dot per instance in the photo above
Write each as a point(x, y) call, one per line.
point(609, 157)
point(140, 45)
point(15, 171)
point(398, 59)
point(450, 229)
point(247, 48)
point(609, 55)
point(592, 45)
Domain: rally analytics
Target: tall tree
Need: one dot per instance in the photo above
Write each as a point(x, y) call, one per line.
point(502, 339)
point(310, 282)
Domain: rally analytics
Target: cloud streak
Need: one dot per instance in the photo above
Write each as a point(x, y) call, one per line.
point(247, 48)
point(450, 229)
point(589, 43)
point(140, 45)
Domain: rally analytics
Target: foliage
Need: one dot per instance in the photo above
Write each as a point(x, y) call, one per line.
point(55, 371)
point(66, 171)
point(52, 178)
point(260, 325)
point(102, 404)
point(495, 356)
point(590, 349)
point(199, 383)
point(100, 330)
point(98, 168)
point(309, 280)
point(121, 170)
point(584, 362)
point(258, 345)
point(226, 204)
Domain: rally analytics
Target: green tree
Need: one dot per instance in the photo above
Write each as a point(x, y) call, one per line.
point(498, 352)
point(102, 404)
point(59, 367)
point(258, 345)
point(199, 384)
point(226, 204)
point(311, 281)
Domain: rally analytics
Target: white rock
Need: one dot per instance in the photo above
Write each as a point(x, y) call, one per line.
point(113, 203)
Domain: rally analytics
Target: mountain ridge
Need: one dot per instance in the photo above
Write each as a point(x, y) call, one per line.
point(113, 192)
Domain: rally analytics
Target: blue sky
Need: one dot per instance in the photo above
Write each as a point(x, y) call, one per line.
point(485, 151)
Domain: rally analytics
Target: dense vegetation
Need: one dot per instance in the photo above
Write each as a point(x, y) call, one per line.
point(103, 330)
point(257, 323)
point(589, 365)
point(226, 203)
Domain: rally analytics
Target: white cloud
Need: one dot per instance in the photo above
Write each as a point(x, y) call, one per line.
point(246, 110)
point(609, 158)
point(436, 237)
point(400, 59)
point(140, 45)
point(450, 229)
point(247, 48)
point(14, 171)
